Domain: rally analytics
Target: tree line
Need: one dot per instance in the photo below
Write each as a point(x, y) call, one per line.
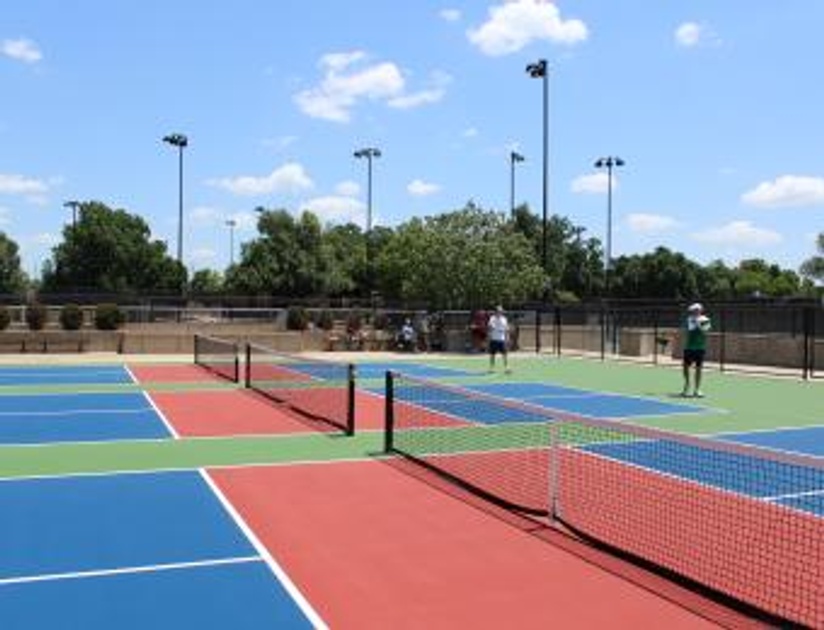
point(469, 257)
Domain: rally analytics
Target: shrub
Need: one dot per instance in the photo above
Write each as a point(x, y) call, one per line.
point(36, 315)
point(297, 318)
point(5, 318)
point(71, 317)
point(108, 317)
point(326, 321)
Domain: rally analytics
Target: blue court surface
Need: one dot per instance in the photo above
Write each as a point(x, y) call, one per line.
point(62, 375)
point(154, 550)
point(806, 440)
point(801, 487)
point(584, 402)
point(47, 418)
point(419, 370)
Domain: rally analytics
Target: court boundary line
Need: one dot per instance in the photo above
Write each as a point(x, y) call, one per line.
point(135, 570)
point(279, 573)
point(171, 470)
point(795, 495)
point(68, 412)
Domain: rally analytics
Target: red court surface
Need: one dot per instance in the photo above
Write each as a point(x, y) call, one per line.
point(226, 412)
point(373, 547)
point(180, 373)
point(223, 413)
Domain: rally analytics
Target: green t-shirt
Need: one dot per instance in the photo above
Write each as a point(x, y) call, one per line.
point(697, 333)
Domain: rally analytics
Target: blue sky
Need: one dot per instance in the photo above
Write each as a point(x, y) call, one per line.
point(716, 107)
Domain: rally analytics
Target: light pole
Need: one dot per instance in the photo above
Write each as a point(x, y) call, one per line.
point(608, 163)
point(514, 157)
point(231, 223)
point(180, 141)
point(74, 205)
point(368, 153)
point(540, 70)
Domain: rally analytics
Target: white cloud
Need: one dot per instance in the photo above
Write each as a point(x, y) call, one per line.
point(738, 233)
point(420, 188)
point(347, 82)
point(593, 184)
point(12, 184)
point(787, 191)
point(688, 34)
point(416, 99)
point(643, 223)
point(22, 49)
point(347, 189)
point(342, 88)
point(516, 23)
point(450, 15)
point(337, 209)
point(290, 178)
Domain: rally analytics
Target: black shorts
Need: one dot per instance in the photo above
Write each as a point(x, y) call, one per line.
point(497, 346)
point(694, 356)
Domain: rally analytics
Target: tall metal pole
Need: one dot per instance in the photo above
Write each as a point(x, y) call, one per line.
point(368, 153)
point(609, 163)
point(514, 157)
point(180, 141)
point(231, 223)
point(540, 70)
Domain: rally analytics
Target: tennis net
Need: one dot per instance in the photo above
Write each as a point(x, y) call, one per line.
point(743, 522)
point(218, 355)
point(320, 390)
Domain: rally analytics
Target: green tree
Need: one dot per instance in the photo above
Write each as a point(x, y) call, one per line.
point(110, 251)
point(813, 267)
point(12, 278)
point(660, 274)
point(205, 282)
point(467, 258)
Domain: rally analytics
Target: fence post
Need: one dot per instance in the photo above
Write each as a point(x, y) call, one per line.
point(722, 352)
point(809, 341)
point(603, 332)
point(538, 331)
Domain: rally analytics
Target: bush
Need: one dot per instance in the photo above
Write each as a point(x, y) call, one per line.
point(326, 321)
point(108, 317)
point(5, 318)
point(36, 315)
point(297, 318)
point(71, 317)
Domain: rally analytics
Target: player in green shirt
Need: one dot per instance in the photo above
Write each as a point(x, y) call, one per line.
point(695, 347)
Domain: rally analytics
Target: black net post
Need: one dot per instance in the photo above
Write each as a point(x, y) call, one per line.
point(350, 409)
point(248, 379)
point(389, 413)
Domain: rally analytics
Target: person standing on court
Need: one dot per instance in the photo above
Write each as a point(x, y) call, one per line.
point(695, 347)
point(498, 329)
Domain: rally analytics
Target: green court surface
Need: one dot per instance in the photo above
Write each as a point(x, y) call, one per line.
point(734, 402)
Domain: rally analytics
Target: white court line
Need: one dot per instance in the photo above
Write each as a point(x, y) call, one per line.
point(152, 568)
point(281, 575)
point(175, 435)
point(70, 412)
point(795, 495)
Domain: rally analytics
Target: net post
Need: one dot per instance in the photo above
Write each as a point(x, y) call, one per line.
point(196, 347)
point(237, 363)
point(554, 471)
point(248, 371)
point(350, 401)
point(389, 413)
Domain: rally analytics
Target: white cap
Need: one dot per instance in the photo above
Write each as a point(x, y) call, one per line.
point(696, 306)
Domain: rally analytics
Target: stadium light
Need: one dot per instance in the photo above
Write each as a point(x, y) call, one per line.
point(231, 224)
point(609, 163)
point(540, 70)
point(514, 157)
point(180, 141)
point(368, 153)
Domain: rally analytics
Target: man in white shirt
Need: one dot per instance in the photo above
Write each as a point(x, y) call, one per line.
point(498, 329)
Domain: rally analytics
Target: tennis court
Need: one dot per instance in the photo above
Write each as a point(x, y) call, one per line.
point(236, 513)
